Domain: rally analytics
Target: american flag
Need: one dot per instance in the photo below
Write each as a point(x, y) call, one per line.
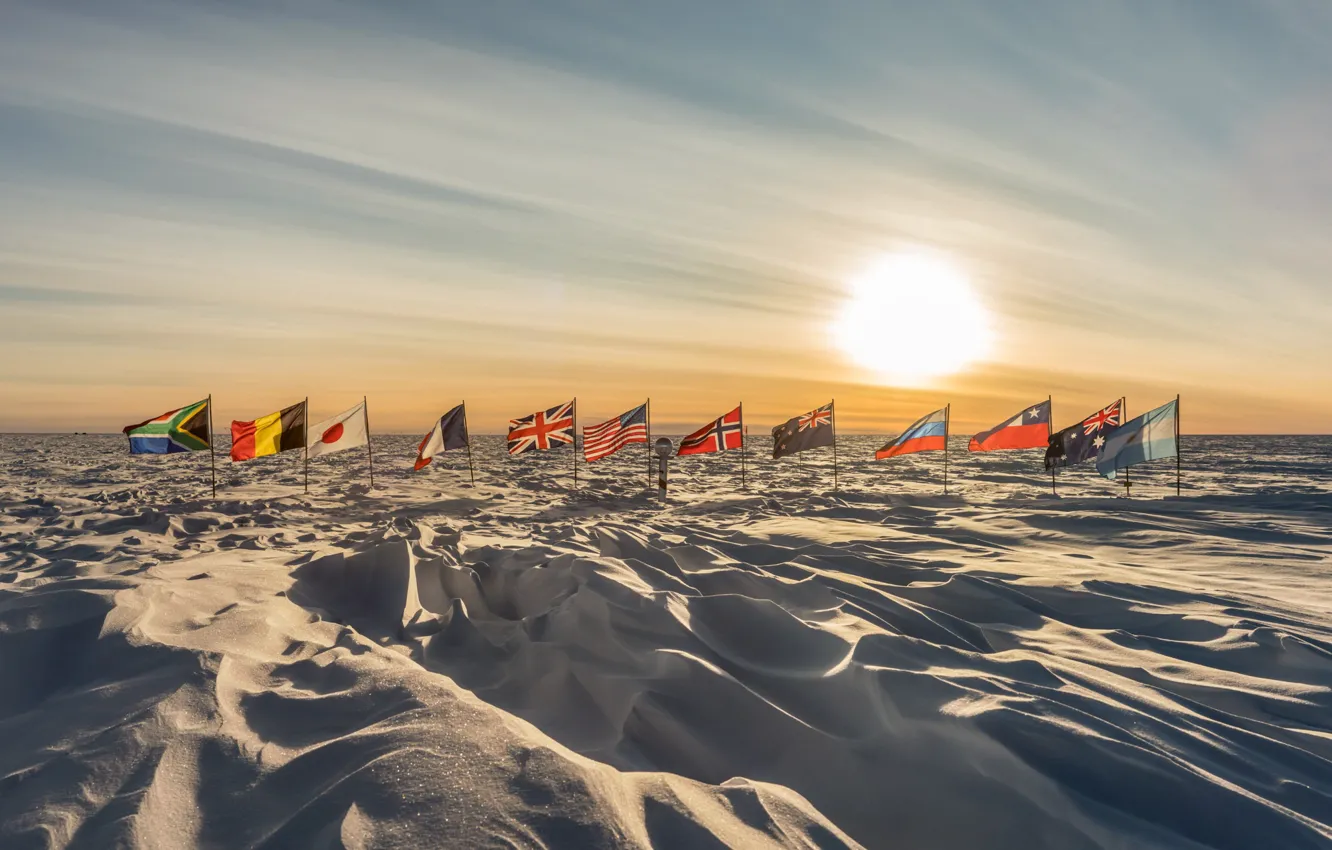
point(722, 434)
point(542, 430)
point(612, 435)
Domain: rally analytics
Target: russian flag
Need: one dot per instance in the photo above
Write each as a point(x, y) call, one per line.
point(927, 434)
point(1029, 429)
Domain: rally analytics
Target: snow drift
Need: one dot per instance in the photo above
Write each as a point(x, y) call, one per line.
point(436, 665)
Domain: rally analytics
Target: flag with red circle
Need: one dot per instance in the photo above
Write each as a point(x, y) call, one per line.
point(347, 430)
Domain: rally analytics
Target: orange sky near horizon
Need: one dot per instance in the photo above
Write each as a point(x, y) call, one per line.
point(617, 206)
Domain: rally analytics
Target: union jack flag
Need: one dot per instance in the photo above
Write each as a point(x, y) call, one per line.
point(815, 418)
point(543, 430)
point(1110, 416)
point(612, 435)
point(722, 434)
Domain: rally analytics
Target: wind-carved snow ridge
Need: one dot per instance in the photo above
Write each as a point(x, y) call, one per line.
point(431, 664)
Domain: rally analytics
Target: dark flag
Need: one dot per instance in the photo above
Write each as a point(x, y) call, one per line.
point(1082, 441)
point(811, 431)
point(450, 432)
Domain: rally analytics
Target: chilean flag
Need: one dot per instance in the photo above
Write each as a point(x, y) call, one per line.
point(1029, 429)
point(927, 434)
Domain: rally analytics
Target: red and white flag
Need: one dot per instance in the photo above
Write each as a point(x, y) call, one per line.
point(348, 430)
point(722, 434)
point(543, 430)
point(614, 434)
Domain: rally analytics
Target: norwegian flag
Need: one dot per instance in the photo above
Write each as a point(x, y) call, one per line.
point(543, 430)
point(612, 435)
point(722, 434)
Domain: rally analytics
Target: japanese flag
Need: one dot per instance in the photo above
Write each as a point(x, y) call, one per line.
point(347, 430)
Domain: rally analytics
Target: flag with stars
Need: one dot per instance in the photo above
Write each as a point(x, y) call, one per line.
point(1082, 441)
point(1029, 429)
point(811, 431)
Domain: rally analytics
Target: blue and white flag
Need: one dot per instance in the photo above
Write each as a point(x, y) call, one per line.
point(1151, 436)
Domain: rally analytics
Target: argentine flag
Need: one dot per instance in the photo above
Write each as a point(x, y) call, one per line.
point(1153, 435)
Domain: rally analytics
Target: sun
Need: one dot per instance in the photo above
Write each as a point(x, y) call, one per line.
point(913, 316)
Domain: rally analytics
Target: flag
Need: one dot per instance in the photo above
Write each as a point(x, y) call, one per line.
point(1029, 429)
point(811, 431)
point(542, 430)
point(1079, 442)
point(612, 435)
point(927, 434)
point(721, 434)
point(350, 429)
point(450, 432)
point(268, 435)
point(1151, 436)
point(182, 430)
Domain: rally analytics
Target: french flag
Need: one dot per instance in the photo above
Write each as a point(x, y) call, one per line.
point(927, 434)
point(1029, 429)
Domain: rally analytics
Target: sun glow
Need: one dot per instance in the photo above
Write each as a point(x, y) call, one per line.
point(911, 317)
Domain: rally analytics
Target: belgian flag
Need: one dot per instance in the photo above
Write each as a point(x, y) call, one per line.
point(268, 435)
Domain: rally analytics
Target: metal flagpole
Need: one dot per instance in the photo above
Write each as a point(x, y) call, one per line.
point(1123, 417)
point(648, 447)
point(1178, 463)
point(212, 457)
point(832, 408)
point(470, 468)
point(306, 416)
point(1049, 432)
point(948, 415)
point(370, 453)
point(575, 441)
point(742, 446)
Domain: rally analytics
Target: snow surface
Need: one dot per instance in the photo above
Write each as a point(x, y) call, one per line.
point(429, 664)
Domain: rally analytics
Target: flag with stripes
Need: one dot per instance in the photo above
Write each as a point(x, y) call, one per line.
point(184, 429)
point(268, 435)
point(722, 434)
point(542, 430)
point(612, 435)
point(929, 433)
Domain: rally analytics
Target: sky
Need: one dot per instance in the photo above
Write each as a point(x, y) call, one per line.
point(514, 203)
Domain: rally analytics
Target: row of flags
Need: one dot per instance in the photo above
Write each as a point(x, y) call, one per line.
point(1104, 435)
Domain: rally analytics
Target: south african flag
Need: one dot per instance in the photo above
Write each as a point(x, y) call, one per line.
point(183, 430)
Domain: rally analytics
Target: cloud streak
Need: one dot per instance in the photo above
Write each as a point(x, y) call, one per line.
point(512, 201)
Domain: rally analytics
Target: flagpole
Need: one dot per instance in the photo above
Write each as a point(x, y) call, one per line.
point(470, 468)
point(1049, 432)
point(212, 458)
point(833, 410)
point(742, 446)
point(1178, 463)
point(947, 424)
point(370, 453)
point(1123, 417)
point(306, 441)
point(575, 441)
point(648, 416)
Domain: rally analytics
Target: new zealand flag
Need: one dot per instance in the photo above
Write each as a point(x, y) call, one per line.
point(1082, 441)
point(811, 431)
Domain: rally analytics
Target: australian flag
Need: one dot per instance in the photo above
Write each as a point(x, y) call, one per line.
point(1082, 441)
point(811, 431)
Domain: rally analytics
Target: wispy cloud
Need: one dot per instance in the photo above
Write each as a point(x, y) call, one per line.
point(513, 200)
